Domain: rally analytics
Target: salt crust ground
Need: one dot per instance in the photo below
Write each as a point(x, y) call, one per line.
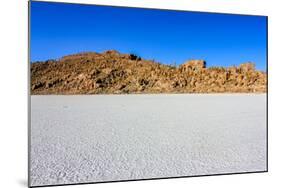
point(78, 139)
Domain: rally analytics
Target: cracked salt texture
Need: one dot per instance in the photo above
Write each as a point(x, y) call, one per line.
point(95, 138)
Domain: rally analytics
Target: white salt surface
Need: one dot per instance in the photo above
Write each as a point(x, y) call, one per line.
point(78, 139)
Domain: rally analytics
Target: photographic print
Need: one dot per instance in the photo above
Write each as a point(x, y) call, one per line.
point(123, 93)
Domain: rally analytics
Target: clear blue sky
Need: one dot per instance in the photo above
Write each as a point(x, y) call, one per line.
point(167, 36)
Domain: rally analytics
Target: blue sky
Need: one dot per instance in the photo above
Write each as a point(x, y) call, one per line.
point(168, 37)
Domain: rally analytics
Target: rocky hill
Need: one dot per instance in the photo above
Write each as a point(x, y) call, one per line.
point(114, 73)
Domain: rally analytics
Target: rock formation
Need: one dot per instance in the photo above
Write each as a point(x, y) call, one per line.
point(193, 65)
point(114, 73)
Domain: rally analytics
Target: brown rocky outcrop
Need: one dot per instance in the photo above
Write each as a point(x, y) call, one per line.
point(193, 65)
point(112, 72)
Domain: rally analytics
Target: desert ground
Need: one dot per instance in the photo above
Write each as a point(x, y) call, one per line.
point(96, 138)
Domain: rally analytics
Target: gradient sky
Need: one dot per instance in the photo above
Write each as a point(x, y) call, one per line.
point(168, 37)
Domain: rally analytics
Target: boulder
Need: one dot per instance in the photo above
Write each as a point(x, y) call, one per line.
point(247, 67)
point(193, 65)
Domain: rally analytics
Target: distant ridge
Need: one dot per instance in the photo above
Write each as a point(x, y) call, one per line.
point(112, 72)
